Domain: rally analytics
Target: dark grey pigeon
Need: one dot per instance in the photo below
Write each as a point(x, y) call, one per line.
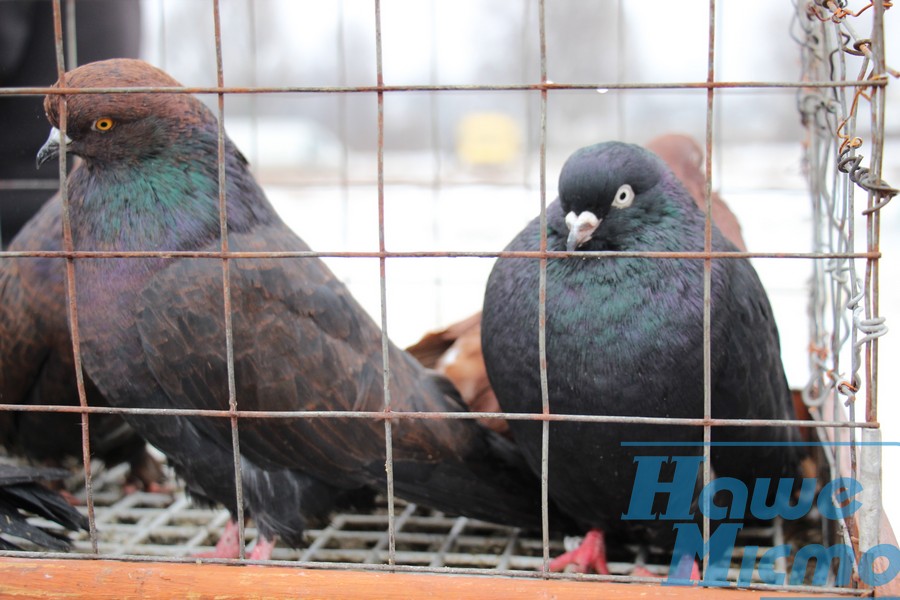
point(624, 336)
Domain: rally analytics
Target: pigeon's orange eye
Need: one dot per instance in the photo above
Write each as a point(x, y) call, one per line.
point(103, 124)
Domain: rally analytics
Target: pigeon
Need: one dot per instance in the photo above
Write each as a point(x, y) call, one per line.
point(624, 336)
point(37, 365)
point(22, 494)
point(153, 331)
point(455, 351)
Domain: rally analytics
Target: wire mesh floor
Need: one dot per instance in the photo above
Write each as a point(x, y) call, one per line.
point(169, 525)
point(163, 524)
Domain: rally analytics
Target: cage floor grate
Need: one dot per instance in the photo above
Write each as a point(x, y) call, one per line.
point(169, 525)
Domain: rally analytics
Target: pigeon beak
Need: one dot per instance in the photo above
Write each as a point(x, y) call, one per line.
point(50, 149)
point(581, 228)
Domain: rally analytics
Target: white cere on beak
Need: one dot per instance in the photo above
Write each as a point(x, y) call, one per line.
point(56, 136)
point(624, 197)
point(50, 149)
point(581, 228)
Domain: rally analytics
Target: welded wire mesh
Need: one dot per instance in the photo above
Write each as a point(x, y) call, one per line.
point(168, 525)
point(844, 317)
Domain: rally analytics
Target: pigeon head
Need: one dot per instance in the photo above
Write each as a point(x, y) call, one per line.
point(117, 127)
point(603, 188)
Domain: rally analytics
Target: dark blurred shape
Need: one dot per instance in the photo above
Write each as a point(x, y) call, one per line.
point(21, 493)
point(104, 29)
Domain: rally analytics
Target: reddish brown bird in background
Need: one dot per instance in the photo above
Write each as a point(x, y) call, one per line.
point(455, 351)
point(684, 156)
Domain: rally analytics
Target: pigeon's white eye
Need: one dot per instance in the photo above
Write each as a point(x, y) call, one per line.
point(624, 197)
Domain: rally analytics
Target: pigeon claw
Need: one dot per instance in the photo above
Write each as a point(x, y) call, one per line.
point(228, 545)
point(262, 550)
point(589, 556)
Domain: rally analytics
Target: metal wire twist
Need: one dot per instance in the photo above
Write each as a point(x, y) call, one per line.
point(844, 323)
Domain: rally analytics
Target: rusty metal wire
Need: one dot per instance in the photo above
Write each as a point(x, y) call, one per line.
point(382, 289)
point(226, 283)
point(844, 310)
point(336, 414)
point(71, 303)
point(542, 297)
point(75, 254)
point(384, 88)
point(707, 277)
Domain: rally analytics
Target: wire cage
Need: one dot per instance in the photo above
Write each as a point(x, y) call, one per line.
point(470, 147)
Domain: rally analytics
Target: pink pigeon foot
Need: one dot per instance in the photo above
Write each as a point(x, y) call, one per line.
point(70, 498)
point(130, 488)
point(262, 550)
point(228, 545)
point(151, 488)
point(695, 571)
point(589, 556)
point(642, 571)
point(159, 488)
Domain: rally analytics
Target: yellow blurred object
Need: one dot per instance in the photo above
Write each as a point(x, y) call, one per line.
point(488, 138)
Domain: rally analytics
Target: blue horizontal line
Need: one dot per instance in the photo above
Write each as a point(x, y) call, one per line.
point(748, 444)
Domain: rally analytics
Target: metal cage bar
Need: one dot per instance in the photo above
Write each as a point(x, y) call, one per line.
point(72, 302)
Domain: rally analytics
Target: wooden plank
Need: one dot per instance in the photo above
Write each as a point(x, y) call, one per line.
point(96, 579)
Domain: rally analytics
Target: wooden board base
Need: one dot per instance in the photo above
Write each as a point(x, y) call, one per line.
point(95, 579)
